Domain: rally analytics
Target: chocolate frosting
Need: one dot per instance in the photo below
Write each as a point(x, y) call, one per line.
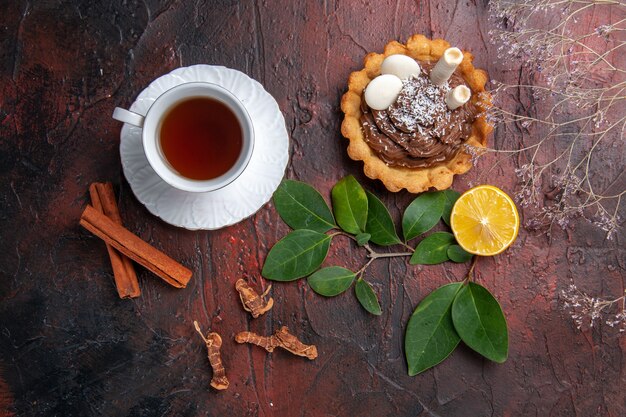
point(418, 130)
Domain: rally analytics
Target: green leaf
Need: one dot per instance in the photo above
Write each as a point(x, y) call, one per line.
point(433, 249)
point(430, 335)
point(367, 297)
point(296, 255)
point(450, 197)
point(331, 281)
point(458, 254)
point(350, 205)
point(379, 223)
point(479, 321)
point(422, 214)
point(302, 207)
point(362, 238)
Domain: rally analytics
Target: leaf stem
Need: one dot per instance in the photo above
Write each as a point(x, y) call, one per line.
point(376, 255)
point(408, 247)
point(470, 273)
point(349, 236)
point(362, 270)
point(372, 254)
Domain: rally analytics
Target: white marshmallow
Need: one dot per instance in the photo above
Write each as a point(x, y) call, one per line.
point(458, 96)
point(401, 66)
point(382, 91)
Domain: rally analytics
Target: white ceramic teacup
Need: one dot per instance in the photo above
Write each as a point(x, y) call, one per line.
point(151, 128)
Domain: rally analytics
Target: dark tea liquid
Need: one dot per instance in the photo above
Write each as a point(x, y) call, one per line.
point(201, 138)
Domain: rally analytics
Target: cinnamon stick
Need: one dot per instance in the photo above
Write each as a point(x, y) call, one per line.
point(103, 200)
point(136, 249)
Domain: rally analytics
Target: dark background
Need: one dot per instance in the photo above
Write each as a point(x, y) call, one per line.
point(70, 347)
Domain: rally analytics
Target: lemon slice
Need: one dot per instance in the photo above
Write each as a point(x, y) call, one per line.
point(484, 220)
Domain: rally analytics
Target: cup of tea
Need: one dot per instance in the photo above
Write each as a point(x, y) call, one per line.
point(197, 136)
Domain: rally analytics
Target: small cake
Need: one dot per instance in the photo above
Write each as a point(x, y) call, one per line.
point(410, 113)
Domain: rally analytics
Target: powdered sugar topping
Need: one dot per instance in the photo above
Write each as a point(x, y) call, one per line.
point(420, 104)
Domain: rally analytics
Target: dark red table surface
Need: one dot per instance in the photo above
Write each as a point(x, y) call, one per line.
point(70, 347)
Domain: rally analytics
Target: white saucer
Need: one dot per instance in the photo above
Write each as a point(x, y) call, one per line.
point(241, 198)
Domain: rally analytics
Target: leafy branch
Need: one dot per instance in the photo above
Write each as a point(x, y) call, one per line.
point(459, 311)
point(361, 217)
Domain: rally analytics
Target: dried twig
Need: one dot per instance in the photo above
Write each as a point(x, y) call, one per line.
point(581, 74)
point(587, 310)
